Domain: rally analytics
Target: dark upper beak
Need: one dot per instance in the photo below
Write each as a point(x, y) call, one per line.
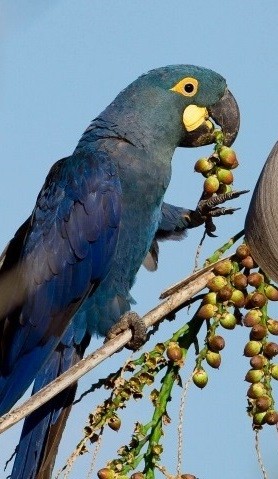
point(225, 113)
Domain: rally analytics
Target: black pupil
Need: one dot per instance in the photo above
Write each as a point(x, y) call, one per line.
point(189, 87)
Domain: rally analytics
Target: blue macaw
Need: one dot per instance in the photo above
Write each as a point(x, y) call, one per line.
point(67, 273)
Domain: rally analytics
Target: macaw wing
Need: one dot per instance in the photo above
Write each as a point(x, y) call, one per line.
point(67, 249)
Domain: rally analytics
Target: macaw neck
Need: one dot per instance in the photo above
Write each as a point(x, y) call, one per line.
point(152, 127)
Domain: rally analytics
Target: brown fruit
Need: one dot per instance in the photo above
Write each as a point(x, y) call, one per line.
point(240, 281)
point(252, 317)
point(271, 417)
point(270, 350)
point(258, 332)
point(263, 403)
point(114, 423)
point(137, 475)
point(206, 311)
point(248, 262)
point(187, 476)
point(174, 352)
point(255, 279)
point(224, 294)
point(242, 251)
point(257, 300)
point(258, 361)
point(105, 473)
point(216, 343)
point(223, 268)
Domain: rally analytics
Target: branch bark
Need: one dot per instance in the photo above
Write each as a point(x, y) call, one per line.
point(176, 296)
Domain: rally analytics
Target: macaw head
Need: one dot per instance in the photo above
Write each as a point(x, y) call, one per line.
point(181, 104)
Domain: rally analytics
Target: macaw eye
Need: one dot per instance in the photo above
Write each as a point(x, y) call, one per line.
point(187, 86)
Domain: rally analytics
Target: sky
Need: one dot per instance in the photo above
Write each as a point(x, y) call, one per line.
point(62, 62)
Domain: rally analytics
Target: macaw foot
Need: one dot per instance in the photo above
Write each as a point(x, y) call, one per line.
point(133, 321)
point(207, 209)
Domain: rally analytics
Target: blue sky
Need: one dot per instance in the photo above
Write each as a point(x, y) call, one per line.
point(62, 62)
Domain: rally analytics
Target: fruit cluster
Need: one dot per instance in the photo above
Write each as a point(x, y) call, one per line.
point(217, 170)
point(239, 285)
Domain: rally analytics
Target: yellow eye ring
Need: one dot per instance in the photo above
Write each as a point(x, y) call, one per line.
point(187, 86)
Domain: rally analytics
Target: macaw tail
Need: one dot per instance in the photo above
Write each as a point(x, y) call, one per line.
point(43, 429)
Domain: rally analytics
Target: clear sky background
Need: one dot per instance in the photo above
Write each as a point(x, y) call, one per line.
point(62, 62)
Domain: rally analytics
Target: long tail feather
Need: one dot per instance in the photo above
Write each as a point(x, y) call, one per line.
point(43, 429)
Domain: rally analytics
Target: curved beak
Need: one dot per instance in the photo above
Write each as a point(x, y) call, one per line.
point(201, 130)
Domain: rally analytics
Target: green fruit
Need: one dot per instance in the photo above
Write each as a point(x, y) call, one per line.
point(256, 390)
point(206, 311)
point(209, 298)
point(203, 165)
point(254, 375)
point(211, 185)
point(271, 292)
point(213, 359)
point(274, 371)
point(258, 418)
point(228, 321)
point(272, 326)
point(227, 157)
point(216, 283)
point(200, 378)
point(225, 176)
point(252, 348)
point(238, 298)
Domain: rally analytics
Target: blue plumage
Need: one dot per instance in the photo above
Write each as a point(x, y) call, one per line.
point(96, 220)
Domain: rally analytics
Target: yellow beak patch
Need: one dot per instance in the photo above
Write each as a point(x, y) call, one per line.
point(194, 116)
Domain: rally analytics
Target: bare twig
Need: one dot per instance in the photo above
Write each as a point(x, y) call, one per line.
point(183, 291)
point(259, 456)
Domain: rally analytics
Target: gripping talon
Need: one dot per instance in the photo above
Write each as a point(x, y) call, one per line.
point(133, 321)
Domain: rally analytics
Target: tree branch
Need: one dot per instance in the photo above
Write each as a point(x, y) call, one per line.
point(175, 297)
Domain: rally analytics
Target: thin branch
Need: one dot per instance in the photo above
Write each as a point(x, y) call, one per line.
point(183, 292)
